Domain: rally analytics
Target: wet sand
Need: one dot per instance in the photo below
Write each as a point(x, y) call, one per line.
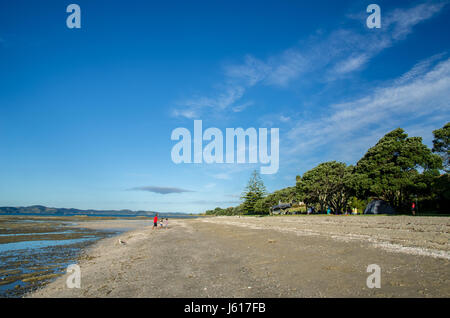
point(34, 250)
point(292, 256)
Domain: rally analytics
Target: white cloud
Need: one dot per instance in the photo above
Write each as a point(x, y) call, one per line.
point(187, 113)
point(251, 72)
point(403, 21)
point(222, 176)
point(419, 68)
point(351, 125)
point(342, 52)
point(284, 119)
point(193, 108)
point(351, 64)
point(287, 67)
point(242, 107)
point(210, 185)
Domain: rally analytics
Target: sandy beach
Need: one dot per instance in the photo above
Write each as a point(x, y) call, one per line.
point(289, 256)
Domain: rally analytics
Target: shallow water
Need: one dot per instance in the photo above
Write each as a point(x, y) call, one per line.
point(29, 261)
point(37, 233)
point(40, 244)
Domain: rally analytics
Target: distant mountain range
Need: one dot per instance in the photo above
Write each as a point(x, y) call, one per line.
point(39, 209)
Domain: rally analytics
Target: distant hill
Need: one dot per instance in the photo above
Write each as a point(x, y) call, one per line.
point(40, 209)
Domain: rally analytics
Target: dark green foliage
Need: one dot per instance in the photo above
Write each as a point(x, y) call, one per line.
point(329, 184)
point(254, 191)
point(360, 204)
point(227, 211)
point(398, 169)
point(389, 170)
point(441, 192)
point(441, 145)
point(436, 198)
point(286, 195)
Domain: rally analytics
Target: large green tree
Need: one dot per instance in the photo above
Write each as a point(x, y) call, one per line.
point(441, 145)
point(254, 191)
point(328, 184)
point(392, 169)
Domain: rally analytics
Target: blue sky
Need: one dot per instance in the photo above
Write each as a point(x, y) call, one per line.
point(86, 114)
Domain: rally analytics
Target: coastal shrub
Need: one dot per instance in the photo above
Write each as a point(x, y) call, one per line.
point(262, 206)
point(359, 204)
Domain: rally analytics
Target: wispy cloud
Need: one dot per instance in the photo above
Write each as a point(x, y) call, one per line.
point(222, 176)
point(419, 69)
point(339, 54)
point(396, 26)
point(274, 119)
point(161, 190)
point(403, 21)
point(351, 64)
point(241, 107)
point(421, 94)
point(227, 97)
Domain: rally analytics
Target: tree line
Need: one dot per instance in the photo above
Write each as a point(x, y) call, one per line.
point(398, 169)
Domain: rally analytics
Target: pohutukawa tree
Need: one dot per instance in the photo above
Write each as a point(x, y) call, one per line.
point(328, 184)
point(390, 169)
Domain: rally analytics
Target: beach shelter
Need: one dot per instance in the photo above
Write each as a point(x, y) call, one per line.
point(379, 207)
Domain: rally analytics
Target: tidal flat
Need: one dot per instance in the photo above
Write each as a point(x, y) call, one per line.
point(34, 250)
point(267, 257)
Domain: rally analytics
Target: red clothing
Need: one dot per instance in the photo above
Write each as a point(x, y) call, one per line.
point(155, 219)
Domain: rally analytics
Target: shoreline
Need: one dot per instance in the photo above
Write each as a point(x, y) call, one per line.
point(265, 257)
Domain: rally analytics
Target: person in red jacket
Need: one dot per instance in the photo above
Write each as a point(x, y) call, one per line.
point(155, 221)
point(413, 208)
